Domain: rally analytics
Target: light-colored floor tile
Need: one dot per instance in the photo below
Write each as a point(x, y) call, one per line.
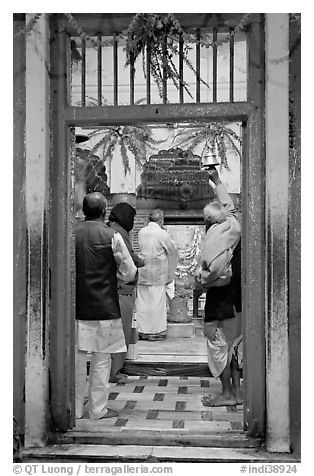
point(171, 389)
point(180, 397)
point(197, 390)
point(116, 404)
point(136, 396)
point(149, 425)
point(95, 425)
point(186, 416)
point(195, 406)
point(208, 425)
point(145, 405)
point(228, 416)
point(124, 388)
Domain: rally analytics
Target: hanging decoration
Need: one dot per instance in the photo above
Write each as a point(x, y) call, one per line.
point(188, 257)
point(205, 39)
point(29, 26)
point(160, 35)
point(215, 135)
point(134, 139)
point(156, 37)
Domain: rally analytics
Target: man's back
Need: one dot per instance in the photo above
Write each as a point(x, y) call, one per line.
point(155, 246)
point(96, 281)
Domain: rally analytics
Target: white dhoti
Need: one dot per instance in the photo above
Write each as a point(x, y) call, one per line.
point(151, 309)
point(101, 339)
point(224, 343)
point(217, 353)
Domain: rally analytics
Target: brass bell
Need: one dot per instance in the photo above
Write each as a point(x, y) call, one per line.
point(209, 157)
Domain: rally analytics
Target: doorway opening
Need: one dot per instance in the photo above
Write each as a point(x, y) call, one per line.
point(164, 380)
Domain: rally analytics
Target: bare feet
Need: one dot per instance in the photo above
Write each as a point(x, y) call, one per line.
point(237, 395)
point(220, 401)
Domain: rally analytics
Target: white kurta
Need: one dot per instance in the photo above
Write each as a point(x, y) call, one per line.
point(159, 253)
point(151, 310)
point(100, 336)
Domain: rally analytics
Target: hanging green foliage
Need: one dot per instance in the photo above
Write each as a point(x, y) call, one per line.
point(134, 139)
point(214, 135)
point(156, 37)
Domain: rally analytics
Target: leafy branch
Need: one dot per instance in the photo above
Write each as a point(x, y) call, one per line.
point(216, 136)
point(134, 139)
point(157, 39)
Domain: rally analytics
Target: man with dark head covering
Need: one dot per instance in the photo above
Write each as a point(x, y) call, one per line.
point(123, 213)
point(102, 259)
point(121, 219)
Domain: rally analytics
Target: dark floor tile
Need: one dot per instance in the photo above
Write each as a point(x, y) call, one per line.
point(207, 416)
point(152, 414)
point(159, 397)
point(121, 422)
point(178, 424)
point(204, 383)
point(180, 406)
point(183, 390)
point(163, 382)
point(236, 425)
point(113, 395)
point(138, 389)
point(130, 405)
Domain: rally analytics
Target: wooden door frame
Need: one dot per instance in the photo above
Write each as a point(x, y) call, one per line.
point(61, 219)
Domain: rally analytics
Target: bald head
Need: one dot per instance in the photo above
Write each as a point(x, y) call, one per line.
point(94, 205)
point(157, 216)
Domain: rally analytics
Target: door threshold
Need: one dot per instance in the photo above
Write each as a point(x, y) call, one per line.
point(232, 439)
point(152, 454)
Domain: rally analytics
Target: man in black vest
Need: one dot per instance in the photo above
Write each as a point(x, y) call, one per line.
point(101, 258)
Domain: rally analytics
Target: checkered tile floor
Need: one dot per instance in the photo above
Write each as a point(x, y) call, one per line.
point(166, 404)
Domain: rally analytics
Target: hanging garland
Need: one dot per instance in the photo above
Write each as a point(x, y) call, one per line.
point(186, 271)
point(215, 135)
point(160, 34)
point(188, 257)
point(156, 38)
point(29, 27)
point(205, 39)
point(188, 253)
